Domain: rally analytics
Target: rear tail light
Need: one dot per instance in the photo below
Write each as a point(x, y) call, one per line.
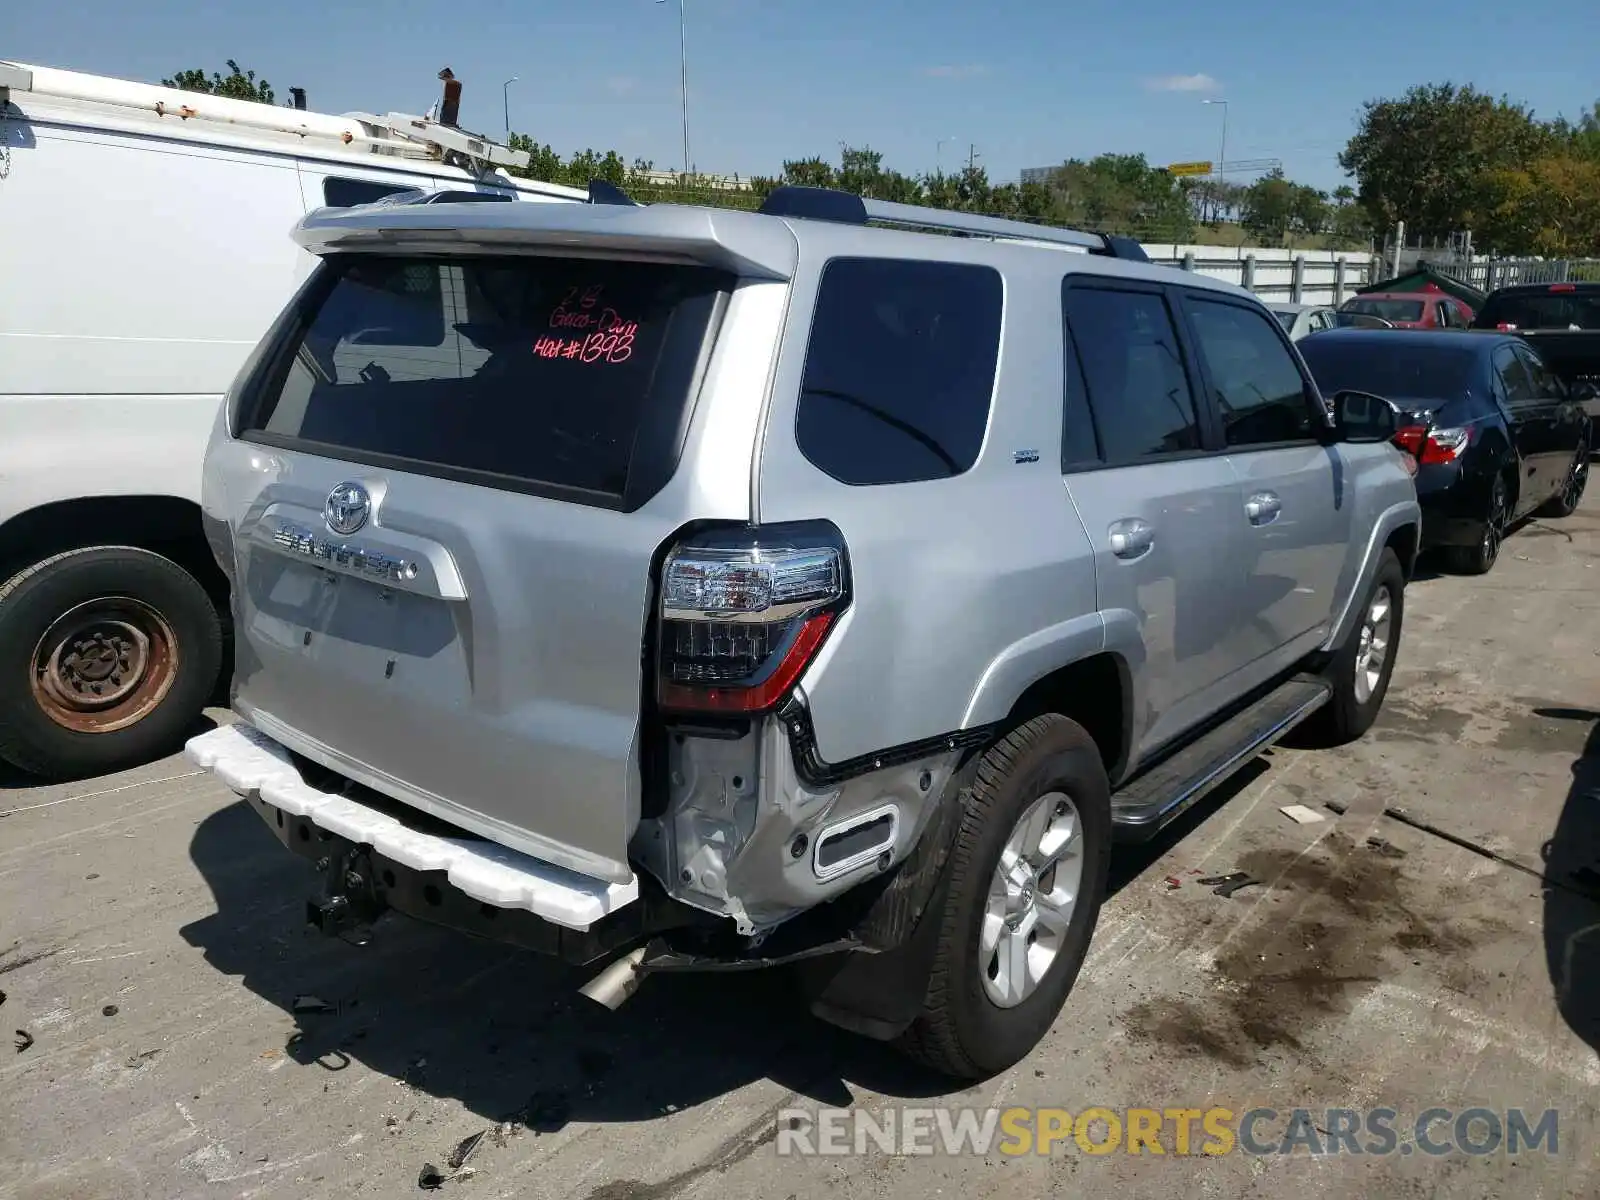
point(1433, 446)
point(1506, 327)
point(743, 613)
point(1563, 287)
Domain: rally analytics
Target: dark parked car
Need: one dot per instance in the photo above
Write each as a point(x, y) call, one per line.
point(1561, 321)
point(1497, 435)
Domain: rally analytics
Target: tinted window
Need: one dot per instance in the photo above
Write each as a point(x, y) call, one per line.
point(1131, 366)
point(1259, 393)
point(1544, 383)
point(543, 370)
point(1396, 366)
point(1389, 310)
point(1517, 388)
point(1541, 310)
point(347, 193)
point(899, 369)
point(1286, 319)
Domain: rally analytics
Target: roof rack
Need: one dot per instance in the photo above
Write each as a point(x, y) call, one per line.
point(830, 204)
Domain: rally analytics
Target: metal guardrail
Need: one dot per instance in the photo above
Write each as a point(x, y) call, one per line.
point(1297, 280)
point(1488, 274)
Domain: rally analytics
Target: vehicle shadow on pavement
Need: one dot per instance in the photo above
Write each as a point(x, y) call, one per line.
point(1572, 890)
point(504, 1031)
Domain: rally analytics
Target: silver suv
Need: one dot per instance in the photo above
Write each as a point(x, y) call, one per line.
point(671, 588)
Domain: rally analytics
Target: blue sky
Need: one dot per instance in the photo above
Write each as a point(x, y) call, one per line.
point(1029, 83)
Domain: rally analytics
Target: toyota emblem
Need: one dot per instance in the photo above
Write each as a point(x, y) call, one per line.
point(347, 508)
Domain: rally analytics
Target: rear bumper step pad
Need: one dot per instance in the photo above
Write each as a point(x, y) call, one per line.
point(250, 762)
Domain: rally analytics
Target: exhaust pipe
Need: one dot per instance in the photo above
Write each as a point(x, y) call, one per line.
point(618, 981)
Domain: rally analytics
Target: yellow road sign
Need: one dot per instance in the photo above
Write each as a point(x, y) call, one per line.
point(1189, 168)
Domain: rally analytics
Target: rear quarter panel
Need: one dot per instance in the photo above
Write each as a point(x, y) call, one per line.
point(964, 588)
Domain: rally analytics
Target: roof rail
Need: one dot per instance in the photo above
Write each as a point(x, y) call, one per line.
point(830, 204)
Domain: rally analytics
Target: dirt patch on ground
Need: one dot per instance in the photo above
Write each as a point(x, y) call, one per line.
point(1344, 915)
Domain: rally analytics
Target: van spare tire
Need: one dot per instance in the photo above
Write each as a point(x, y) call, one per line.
point(108, 654)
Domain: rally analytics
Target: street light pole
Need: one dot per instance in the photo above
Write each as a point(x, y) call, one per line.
point(683, 67)
point(505, 96)
point(1222, 158)
point(938, 154)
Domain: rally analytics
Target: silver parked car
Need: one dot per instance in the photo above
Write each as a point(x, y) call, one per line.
point(1301, 320)
point(673, 588)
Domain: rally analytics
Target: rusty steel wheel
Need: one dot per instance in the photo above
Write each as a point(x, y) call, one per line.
point(108, 655)
point(104, 665)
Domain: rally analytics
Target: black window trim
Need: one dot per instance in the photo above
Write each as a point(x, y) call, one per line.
point(1210, 434)
point(989, 400)
point(654, 460)
point(1321, 427)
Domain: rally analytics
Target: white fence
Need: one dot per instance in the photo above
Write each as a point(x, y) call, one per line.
point(1298, 276)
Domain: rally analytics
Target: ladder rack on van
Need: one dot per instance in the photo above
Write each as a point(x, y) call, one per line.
point(398, 134)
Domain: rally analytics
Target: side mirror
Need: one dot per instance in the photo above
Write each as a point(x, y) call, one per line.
point(1365, 419)
point(1585, 390)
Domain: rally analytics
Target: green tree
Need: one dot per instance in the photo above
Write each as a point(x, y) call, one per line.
point(1424, 158)
point(1269, 208)
point(236, 85)
point(1123, 193)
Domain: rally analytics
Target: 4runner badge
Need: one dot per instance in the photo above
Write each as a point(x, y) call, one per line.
point(347, 508)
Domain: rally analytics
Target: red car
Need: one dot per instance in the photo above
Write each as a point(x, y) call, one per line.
point(1412, 310)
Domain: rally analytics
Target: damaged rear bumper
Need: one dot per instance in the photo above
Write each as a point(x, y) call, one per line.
point(375, 860)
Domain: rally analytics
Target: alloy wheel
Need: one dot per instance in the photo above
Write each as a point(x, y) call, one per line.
point(1032, 896)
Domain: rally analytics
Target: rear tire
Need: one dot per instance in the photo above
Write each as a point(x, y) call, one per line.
point(1566, 501)
point(1049, 770)
point(1363, 665)
point(107, 656)
point(1480, 559)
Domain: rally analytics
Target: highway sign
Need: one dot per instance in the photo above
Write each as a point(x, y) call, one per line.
point(1189, 168)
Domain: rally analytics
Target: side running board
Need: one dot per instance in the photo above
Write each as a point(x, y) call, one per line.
point(1152, 799)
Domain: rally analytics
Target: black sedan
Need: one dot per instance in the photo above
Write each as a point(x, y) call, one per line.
point(1498, 436)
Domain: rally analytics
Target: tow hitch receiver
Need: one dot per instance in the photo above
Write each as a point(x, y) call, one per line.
point(349, 901)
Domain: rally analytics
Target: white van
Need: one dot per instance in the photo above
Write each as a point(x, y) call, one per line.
point(144, 249)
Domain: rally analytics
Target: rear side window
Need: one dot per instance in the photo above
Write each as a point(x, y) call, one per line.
point(1132, 369)
point(1259, 392)
point(1516, 387)
point(338, 192)
point(899, 369)
point(536, 373)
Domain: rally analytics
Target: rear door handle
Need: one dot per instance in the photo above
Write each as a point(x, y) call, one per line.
point(1263, 508)
point(1132, 538)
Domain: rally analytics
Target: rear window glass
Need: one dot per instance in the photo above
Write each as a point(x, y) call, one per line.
point(1389, 310)
point(554, 372)
point(899, 369)
point(1395, 367)
point(1552, 310)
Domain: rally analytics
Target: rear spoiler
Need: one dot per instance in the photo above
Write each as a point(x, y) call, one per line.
point(726, 239)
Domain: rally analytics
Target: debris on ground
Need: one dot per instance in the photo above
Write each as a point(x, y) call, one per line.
point(137, 1061)
point(1302, 815)
point(313, 1004)
point(109, 1010)
point(1384, 848)
point(1173, 883)
point(464, 1150)
point(430, 1178)
point(24, 1040)
point(1227, 885)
